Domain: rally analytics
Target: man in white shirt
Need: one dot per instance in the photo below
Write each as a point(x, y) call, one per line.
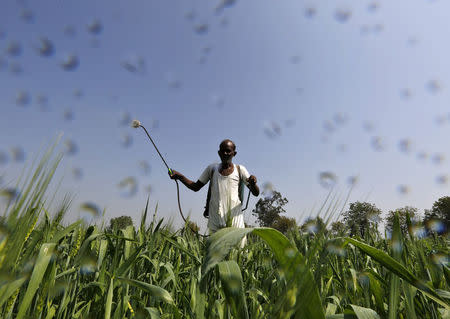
point(225, 206)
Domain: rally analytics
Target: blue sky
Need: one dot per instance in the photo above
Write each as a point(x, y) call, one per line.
point(298, 94)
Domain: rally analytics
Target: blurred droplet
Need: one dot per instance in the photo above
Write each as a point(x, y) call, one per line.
point(373, 6)
point(94, 43)
point(422, 155)
point(77, 93)
point(436, 225)
point(310, 12)
point(155, 124)
point(342, 148)
point(71, 147)
point(45, 47)
point(442, 179)
point(441, 259)
point(27, 15)
point(88, 265)
point(15, 68)
point(378, 144)
point(403, 189)
point(328, 126)
point(299, 91)
point(377, 28)
point(125, 118)
point(218, 100)
point(58, 289)
point(190, 15)
point(77, 173)
point(68, 115)
point(23, 98)
point(148, 189)
point(42, 101)
point(405, 145)
point(3, 63)
point(144, 167)
point(418, 231)
point(173, 82)
point(90, 208)
point(438, 159)
point(95, 27)
point(295, 59)
point(352, 180)
point(289, 123)
point(405, 93)
point(412, 41)
point(201, 29)
point(2, 34)
point(134, 64)
point(9, 194)
point(335, 249)
point(224, 4)
point(342, 14)
point(374, 218)
point(14, 49)
point(69, 30)
point(397, 246)
point(364, 29)
point(272, 129)
point(3, 158)
point(340, 118)
point(206, 50)
point(311, 227)
point(126, 140)
point(128, 186)
point(327, 179)
point(434, 86)
point(441, 119)
point(70, 63)
point(268, 189)
point(224, 22)
point(17, 154)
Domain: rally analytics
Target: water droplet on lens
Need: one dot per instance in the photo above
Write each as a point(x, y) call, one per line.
point(9, 194)
point(438, 159)
point(128, 186)
point(436, 225)
point(70, 63)
point(422, 155)
point(295, 59)
point(434, 86)
point(440, 259)
point(310, 12)
point(378, 144)
point(144, 167)
point(406, 93)
point(352, 180)
point(45, 47)
point(327, 179)
point(77, 93)
point(190, 15)
point(342, 15)
point(328, 126)
point(441, 119)
point(14, 49)
point(95, 27)
point(71, 147)
point(15, 68)
point(405, 145)
point(442, 179)
point(68, 115)
point(77, 173)
point(368, 126)
point(373, 6)
point(126, 140)
point(201, 29)
point(377, 28)
point(148, 189)
point(27, 15)
point(3, 158)
point(418, 231)
point(134, 64)
point(90, 208)
point(125, 118)
point(69, 30)
point(403, 189)
point(17, 154)
point(218, 100)
point(340, 118)
point(23, 98)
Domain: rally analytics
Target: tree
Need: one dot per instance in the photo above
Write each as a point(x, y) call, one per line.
point(338, 229)
point(284, 224)
point(267, 210)
point(361, 217)
point(120, 222)
point(403, 214)
point(440, 212)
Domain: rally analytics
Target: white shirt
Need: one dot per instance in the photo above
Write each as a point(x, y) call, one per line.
point(224, 203)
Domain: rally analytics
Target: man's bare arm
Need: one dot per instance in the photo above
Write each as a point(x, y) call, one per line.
point(186, 181)
point(252, 185)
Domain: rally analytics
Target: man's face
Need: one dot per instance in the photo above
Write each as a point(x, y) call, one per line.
point(226, 152)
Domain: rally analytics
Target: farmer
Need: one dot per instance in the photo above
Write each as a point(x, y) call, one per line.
point(225, 207)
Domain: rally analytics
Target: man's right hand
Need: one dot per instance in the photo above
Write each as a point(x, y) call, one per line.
point(175, 175)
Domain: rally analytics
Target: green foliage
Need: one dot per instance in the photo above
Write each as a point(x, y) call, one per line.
point(268, 210)
point(121, 222)
point(284, 224)
point(361, 217)
point(404, 214)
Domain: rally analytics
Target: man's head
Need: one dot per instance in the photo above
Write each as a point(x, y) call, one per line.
point(227, 150)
